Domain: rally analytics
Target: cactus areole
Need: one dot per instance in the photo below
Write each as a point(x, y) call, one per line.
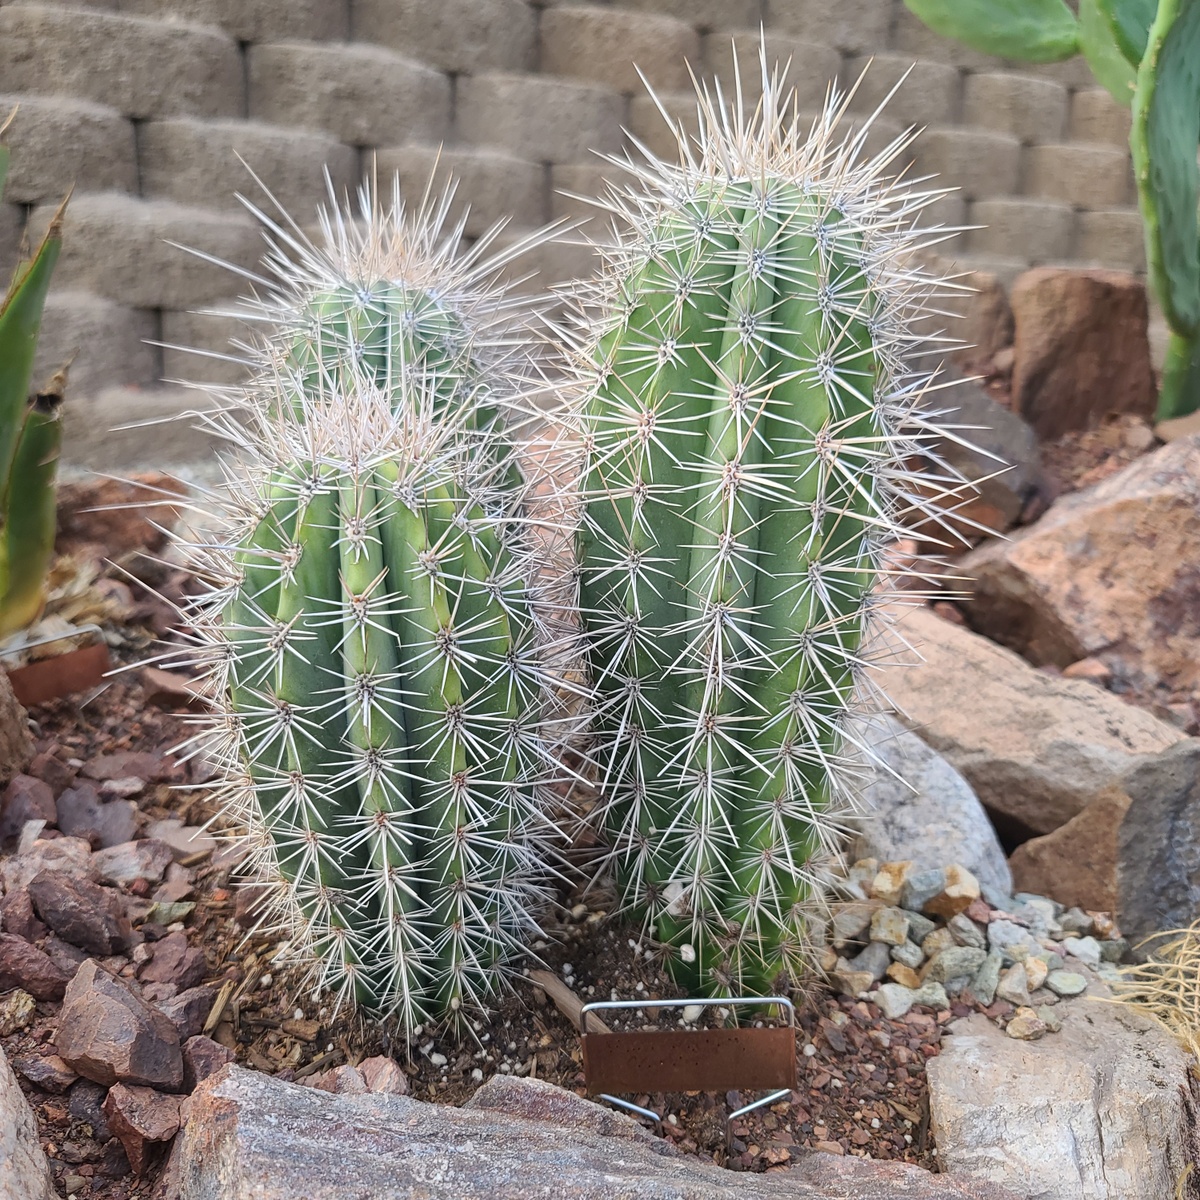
point(375, 687)
point(747, 419)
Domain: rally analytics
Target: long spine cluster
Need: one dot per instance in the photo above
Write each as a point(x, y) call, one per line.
point(747, 420)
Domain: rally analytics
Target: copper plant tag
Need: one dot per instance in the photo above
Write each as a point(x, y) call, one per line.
point(702, 1060)
point(49, 678)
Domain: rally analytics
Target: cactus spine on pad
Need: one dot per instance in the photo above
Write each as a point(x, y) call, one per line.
point(746, 420)
point(375, 678)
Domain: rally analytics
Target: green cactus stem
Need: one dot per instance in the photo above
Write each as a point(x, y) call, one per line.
point(747, 419)
point(376, 680)
point(1164, 140)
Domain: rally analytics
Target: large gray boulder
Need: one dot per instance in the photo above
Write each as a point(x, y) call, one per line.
point(24, 1172)
point(252, 1137)
point(1099, 1111)
point(917, 807)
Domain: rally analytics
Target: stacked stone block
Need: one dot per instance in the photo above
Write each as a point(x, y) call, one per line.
point(145, 105)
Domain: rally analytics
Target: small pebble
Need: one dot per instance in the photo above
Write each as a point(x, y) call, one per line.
point(1036, 970)
point(477, 1075)
point(1013, 985)
point(1050, 1017)
point(692, 1012)
point(1112, 950)
point(1085, 950)
point(966, 932)
point(910, 954)
point(1066, 983)
point(438, 1060)
point(894, 1000)
point(1025, 1025)
point(889, 926)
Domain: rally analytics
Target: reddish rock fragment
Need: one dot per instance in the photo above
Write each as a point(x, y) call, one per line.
point(175, 962)
point(71, 855)
point(140, 1117)
point(382, 1074)
point(81, 912)
point(25, 799)
point(144, 859)
point(17, 916)
point(153, 768)
point(53, 771)
point(83, 813)
point(47, 1071)
point(190, 1009)
point(203, 1057)
point(1081, 350)
point(108, 1033)
point(25, 966)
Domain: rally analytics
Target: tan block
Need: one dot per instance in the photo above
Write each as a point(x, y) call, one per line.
point(813, 66)
point(573, 184)
point(977, 162)
point(1080, 173)
point(853, 26)
point(140, 68)
point(495, 186)
point(58, 144)
point(1114, 238)
point(704, 14)
point(912, 37)
point(108, 342)
point(1029, 108)
point(256, 20)
point(609, 46)
point(198, 346)
point(1097, 117)
point(12, 230)
point(185, 160)
point(117, 247)
point(131, 429)
point(362, 95)
point(1038, 231)
point(654, 124)
point(927, 96)
point(463, 36)
point(542, 119)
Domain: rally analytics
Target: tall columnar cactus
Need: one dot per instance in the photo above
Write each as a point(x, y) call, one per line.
point(1147, 54)
point(376, 681)
point(30, 436)
point(746, 419)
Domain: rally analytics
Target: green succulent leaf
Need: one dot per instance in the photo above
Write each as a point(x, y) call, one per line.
point(1109, 64)
point(1166, 132)
point(20, 321)
point(1035, 31)
point(27, 538)
point(1130, 22)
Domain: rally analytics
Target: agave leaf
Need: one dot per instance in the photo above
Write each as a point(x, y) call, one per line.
point(1099, 45)
point(20, 320)
point(1029, 30)
point(27, 540)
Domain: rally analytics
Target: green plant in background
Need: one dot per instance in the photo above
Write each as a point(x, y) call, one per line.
point(1147, 54)
point(376, 683)
point(30, 435)
point(747, 416)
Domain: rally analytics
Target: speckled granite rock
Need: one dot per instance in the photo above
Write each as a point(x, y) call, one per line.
point(252, 1137)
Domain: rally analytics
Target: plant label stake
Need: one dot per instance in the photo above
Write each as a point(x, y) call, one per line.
point(701, 1060)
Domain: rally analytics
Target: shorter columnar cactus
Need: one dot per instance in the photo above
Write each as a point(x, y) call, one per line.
point(748, 419)
point(376, 683)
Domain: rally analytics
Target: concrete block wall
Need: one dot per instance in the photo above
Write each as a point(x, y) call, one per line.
point(144, 105)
